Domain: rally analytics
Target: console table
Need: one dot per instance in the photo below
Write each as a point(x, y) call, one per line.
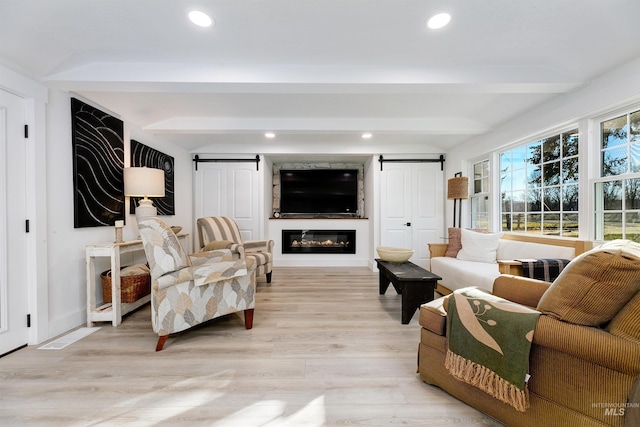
point(113, 311)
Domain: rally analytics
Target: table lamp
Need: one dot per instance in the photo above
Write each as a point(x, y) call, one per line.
point(144, 182)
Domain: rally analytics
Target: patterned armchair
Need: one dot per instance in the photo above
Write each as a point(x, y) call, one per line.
point(187, 290)
point(219, 231)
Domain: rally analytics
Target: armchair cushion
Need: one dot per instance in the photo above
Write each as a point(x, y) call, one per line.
point(212, 266)
point(594, 287)
point(223, 270)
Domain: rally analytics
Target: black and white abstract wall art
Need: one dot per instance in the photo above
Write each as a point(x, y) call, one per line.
point(143, 155)
point(98, 162)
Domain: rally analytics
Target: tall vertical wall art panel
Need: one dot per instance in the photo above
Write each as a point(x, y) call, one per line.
point(98, 162)
point(142, 155)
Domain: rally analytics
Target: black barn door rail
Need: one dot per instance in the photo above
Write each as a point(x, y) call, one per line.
point(197, 160)
point(440, 160)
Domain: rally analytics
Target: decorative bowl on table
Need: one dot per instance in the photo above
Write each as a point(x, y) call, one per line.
point(176, 228)
point(391, 254)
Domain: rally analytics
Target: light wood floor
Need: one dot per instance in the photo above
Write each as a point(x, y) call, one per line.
point(325, 350)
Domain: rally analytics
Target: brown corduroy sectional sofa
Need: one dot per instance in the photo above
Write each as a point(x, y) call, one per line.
point(585, 356)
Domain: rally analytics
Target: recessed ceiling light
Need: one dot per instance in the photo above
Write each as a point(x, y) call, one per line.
point(366, 135)
point(438, 21)
point(270, 135)
point(201, 19)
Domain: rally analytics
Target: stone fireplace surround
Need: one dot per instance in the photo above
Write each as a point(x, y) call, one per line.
point(360, 224)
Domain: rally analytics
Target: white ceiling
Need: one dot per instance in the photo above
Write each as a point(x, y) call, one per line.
point(317, 72)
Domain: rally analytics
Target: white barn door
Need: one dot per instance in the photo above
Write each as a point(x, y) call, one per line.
point(229, 189)
point(412, 207)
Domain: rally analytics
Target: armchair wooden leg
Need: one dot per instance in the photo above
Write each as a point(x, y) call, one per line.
point(161, 340)
point(248, 318)
point(269, 277)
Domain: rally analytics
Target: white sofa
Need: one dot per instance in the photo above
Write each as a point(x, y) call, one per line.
point(457, 273)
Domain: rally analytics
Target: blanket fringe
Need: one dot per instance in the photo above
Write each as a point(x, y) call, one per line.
point(487, 380)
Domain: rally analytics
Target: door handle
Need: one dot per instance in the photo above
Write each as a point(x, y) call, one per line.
point(408, 224)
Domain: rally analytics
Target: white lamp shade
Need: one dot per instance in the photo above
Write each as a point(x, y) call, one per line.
point(143, 182)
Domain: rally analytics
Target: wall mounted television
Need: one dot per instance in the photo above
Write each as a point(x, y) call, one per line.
point(319, 191)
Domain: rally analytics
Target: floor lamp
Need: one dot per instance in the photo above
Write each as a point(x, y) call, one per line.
point(458, 189)
point(144, 182)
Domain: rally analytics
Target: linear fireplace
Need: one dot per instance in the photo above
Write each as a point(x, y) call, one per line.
point(319, 241)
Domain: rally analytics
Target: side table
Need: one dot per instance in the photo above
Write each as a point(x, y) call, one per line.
point(113, 311)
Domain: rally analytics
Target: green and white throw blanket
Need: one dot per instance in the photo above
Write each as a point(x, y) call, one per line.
point(489, 343)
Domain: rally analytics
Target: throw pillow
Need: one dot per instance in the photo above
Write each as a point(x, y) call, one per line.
point(479, 247)
point(455, 244)
point(595, 286)
point(217, 244)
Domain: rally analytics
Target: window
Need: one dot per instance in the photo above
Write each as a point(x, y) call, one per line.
point(539, 186)
point(617, 192)
point(480, 196)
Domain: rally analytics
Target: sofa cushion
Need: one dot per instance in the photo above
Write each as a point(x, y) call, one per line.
point(626, 323)
point(513, 249)
point(595, 286)
point(479, 247)
point(433, 316)
point(457, 273)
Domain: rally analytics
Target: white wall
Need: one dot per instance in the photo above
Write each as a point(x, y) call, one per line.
point(371, 206)
point(66, 245)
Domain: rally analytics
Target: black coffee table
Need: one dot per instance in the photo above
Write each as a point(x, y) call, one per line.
point(414, 283)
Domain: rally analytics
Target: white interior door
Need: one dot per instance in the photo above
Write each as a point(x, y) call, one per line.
point(242, 199)
point(396, 193)
point(427, 223)
point(229, 189)
point(13, 242)
point(411, 207)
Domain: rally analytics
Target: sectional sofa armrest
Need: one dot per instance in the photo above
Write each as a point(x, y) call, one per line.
point(591, 344)
point(437, 249)
point(522, 290)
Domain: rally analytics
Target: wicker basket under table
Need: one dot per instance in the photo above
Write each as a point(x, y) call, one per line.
point(132, 288)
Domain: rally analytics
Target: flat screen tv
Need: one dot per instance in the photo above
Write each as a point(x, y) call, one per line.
point(319, 191)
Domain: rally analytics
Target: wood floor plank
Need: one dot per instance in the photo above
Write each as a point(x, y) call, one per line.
point(325, 350)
